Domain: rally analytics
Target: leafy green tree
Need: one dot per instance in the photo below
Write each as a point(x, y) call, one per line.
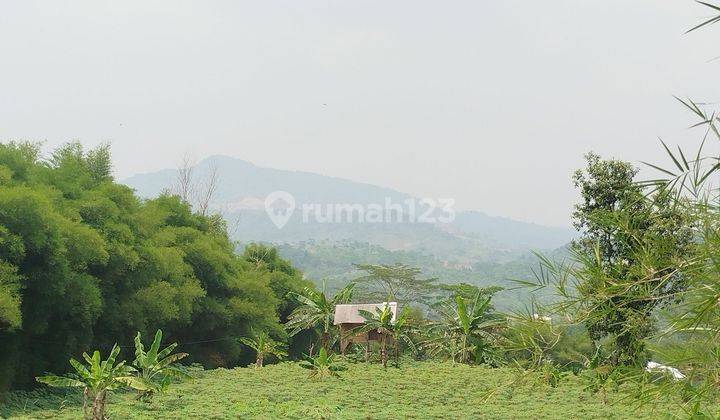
point(535, 340)
point(156, 368)
point(96, 378)
point(264, 346)
point(317, 311)
point(97, 262)
point(285, 281)
point(263, 256)
point(10, 312)
point(624, 263)
point(399, 281)
point(466, 332)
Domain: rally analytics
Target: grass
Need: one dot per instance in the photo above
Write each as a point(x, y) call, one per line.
point(416, 390)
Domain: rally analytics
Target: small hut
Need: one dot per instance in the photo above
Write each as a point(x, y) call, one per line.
point(348, 318)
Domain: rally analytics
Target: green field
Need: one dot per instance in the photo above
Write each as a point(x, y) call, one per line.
point(416, 390)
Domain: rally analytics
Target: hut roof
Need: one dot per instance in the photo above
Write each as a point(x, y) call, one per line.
point(350, 313)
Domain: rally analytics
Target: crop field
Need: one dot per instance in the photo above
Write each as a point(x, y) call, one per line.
point(415, 390)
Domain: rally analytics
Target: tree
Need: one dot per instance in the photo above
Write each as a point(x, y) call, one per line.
point(184, 182)
point(264, 345)
point(465, 332)
point(10, 312)
point(625, 260)
point(96, 379)
point(399, 281)
point(206, 190)
point(382, 322)
point(83, 260)
point(317, 311)
point(395, 329)
point(155, 367)
point(266, 257)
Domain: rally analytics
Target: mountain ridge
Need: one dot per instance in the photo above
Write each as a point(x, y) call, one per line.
point(472, 236)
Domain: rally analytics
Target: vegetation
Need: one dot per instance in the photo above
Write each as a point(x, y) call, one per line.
point(628, 259)
point(415, 390)
point(389, 329)
point(84, 261)
point(264, 346)
point(334, 263)
point(322, 365)
point(466, 332)
point(317, 312)
point(96, 379)
point(397, 282)
point(155, 367)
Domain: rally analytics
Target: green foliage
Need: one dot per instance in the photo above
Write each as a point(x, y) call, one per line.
point(399, 282)
point(285, 282)
point(10, 313)
point(628, 262)
point(83, 260)
point(534, 340)
point(97, 378)
point(415, 390)
point(394, 330)
point(333, 261)
point(316, 311)
point(157, 368)
point(467, 331)
point(322, 365)
point(264, 345)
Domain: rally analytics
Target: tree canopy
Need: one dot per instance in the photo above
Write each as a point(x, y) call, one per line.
point(84, 262)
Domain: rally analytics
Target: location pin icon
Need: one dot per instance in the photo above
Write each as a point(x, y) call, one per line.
point(279, 205)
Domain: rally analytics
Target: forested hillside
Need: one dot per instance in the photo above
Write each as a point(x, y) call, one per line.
point(474, 248)
point(85, 263)
point(334, 263)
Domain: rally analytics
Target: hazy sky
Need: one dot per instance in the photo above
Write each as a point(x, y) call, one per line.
point(492, 103)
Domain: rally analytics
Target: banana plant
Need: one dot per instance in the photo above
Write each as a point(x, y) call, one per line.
point(157, 368)
point(97, 378)
point(322, 365)
point(316, 310)
point(382, 322)
point(466, 330)
point(264, 346)
point(397, 330)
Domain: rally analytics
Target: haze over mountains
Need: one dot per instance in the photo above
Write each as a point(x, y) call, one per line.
point(474, 247)
point(243, 187)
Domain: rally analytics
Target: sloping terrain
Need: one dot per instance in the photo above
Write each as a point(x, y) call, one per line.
point(418, 390)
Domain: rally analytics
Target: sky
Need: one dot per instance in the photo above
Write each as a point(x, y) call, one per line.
point(492, 103)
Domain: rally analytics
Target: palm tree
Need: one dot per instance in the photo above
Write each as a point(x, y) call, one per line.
point(464, 331)
point(263, 346)
point(316, 311)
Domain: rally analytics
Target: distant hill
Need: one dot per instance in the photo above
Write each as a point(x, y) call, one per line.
point(242, 189)
point(475, 247)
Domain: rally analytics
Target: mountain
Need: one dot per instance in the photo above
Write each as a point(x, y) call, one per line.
point(324, 224)
point(243, 188)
